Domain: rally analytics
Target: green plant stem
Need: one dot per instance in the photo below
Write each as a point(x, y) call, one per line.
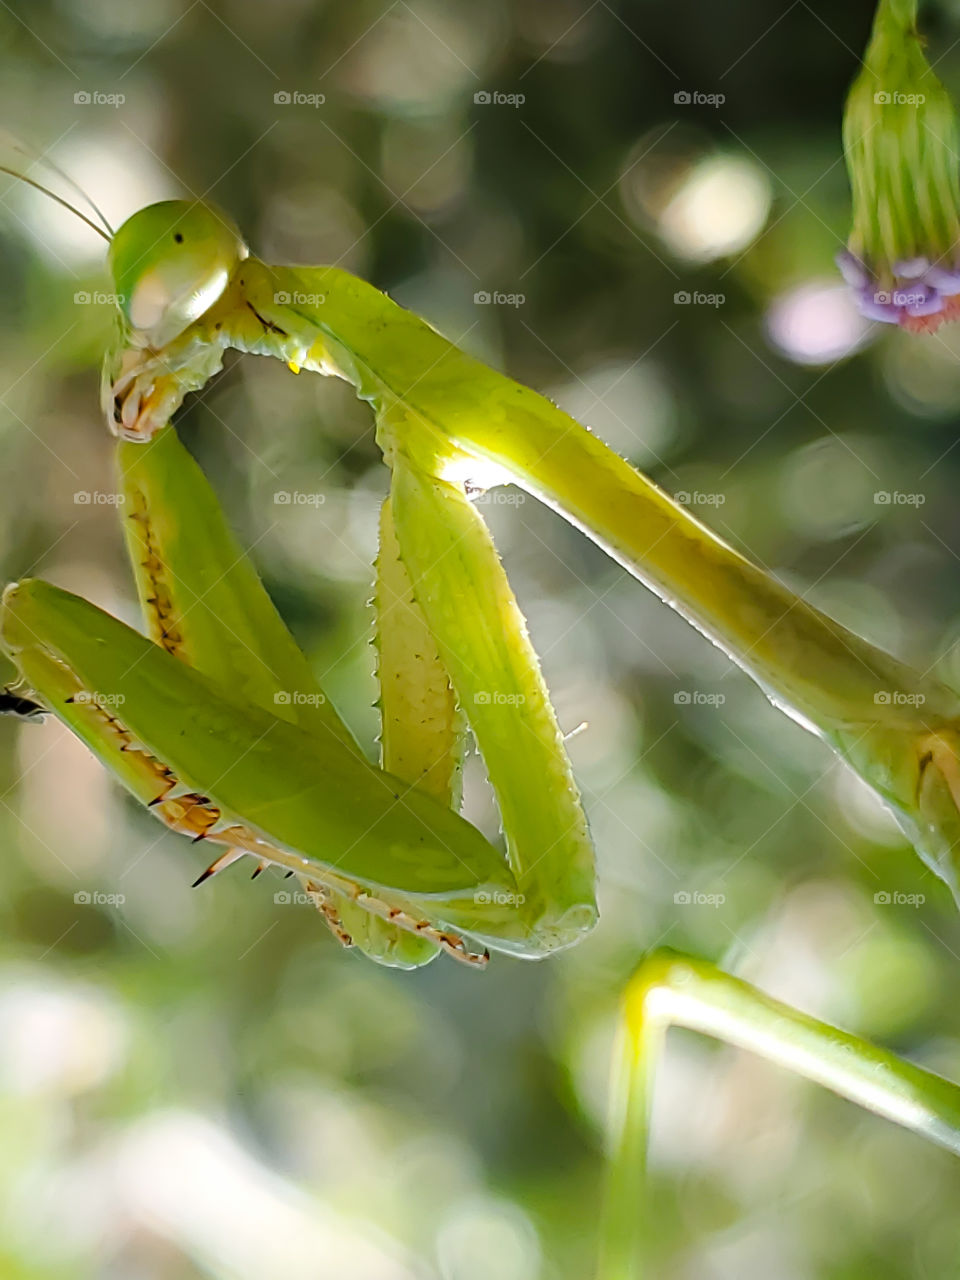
point(670, 989)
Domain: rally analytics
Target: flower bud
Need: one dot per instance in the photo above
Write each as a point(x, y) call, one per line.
point(901, 143)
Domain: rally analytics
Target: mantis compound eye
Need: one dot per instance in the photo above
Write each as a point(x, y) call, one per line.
point(170, 263)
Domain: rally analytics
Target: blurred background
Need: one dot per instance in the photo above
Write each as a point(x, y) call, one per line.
point(634, 208)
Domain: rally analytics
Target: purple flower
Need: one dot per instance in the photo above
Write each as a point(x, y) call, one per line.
point(914, 293)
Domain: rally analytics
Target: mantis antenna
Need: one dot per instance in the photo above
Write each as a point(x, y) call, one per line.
point(32, 182)
point(35, 157)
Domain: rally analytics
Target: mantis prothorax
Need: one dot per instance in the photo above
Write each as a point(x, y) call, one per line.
point(202, 731)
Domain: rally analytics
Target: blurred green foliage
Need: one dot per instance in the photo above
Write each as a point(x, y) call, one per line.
point(203, 1083)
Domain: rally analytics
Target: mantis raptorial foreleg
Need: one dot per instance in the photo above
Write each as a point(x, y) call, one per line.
point(219, 725)
point(210, 610)
point(144, 709)
point(463, 591)
point(310, 804)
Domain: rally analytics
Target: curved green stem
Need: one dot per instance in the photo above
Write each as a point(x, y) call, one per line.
point(670, 989)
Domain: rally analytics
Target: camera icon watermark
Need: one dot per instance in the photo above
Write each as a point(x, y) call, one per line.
point(896, 498)
point(96, 98)
point(298, 698)
point(684, 298)
point(497, 698)
point(96, 498)
point(499, 497)
point(497, 298)
point(96, 298)
point(297, 98)
point(94, 898)
point(899, 297)
point(294, 498)
point(696, 898)
point(894, 98)
point(696, 98)
point(297, 299)
point(698, 698)
point(493, 97)
point(694, 498)
point(287, 898)
point(898, 698)
point(92, 698)
point(894, 898)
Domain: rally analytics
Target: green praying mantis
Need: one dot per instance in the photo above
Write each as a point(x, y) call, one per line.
point(215, 720)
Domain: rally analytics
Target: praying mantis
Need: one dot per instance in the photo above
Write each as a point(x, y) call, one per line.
point(215, 721)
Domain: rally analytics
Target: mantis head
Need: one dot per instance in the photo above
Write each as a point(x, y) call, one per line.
point(170, 262)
